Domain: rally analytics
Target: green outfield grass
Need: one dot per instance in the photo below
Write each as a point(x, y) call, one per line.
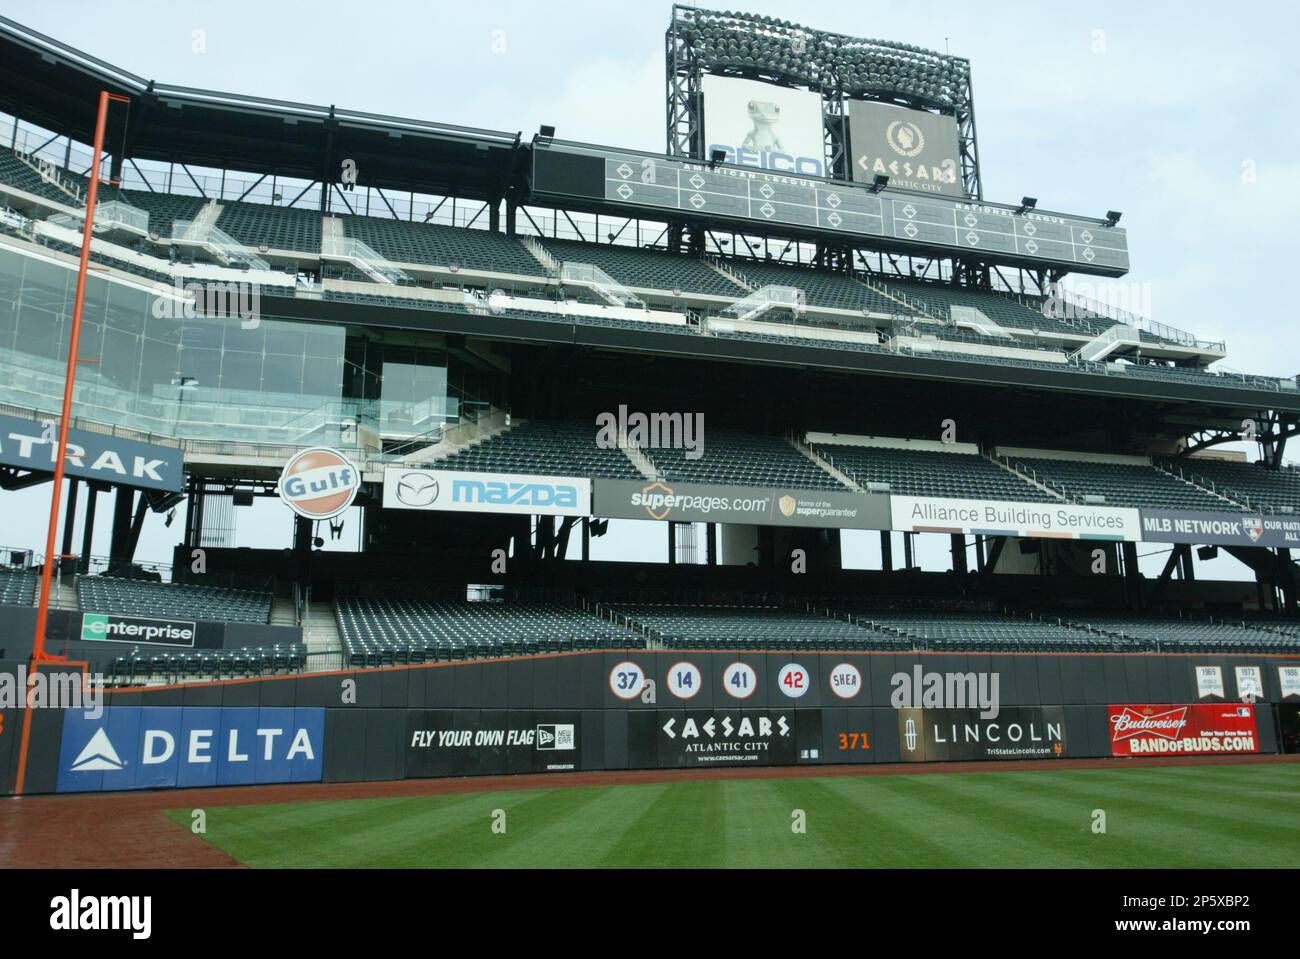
point(1176, 817)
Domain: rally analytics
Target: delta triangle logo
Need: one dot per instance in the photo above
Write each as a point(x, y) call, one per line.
point(98, 756)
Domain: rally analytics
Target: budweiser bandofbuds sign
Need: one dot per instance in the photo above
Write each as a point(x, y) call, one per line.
point(1147, 730)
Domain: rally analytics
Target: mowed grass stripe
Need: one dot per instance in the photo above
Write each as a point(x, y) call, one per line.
point(1197, 830)
point(1065, 821)
point(866, 823)
point(1177, 816)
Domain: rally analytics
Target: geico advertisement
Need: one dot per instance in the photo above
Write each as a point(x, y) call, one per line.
point(406, 488)
point(765, 126)
point(159, 747)
point(1164, 730)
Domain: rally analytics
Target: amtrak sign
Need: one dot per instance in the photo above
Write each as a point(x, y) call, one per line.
point(462, 492)
point(30, 445)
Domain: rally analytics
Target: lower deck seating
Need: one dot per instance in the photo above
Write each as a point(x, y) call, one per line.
point(17, 587)
point(140, 666)
point(381, 632)
point(134, 597)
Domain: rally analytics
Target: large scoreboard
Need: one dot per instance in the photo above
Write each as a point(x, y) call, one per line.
point(632, 184)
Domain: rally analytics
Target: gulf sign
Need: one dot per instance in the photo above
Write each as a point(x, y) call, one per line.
point(161, 747)
point(319, 483)
point(1194, 730)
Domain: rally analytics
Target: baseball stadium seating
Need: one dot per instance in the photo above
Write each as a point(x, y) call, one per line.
point(1186, 635)
point(133, 597)
point(751, 627)
point(279, 228)
point(17, 587)
point(1253, 484)
point(148, 665)
point(744, 459)
point(820, 287)
point(545, 447)
point(427, 243)
point(1124, 484)
point(983, 631)
point(931, 473)
point(378, 632)
point(647, 269)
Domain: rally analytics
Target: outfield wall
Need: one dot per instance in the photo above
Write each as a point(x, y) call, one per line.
point(633, 710)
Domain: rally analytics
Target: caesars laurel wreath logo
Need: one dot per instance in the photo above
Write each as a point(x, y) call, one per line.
point(905, 138)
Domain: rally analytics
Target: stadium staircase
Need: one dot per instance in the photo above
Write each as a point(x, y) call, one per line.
point(461, 437)
point(541, 255)
point(825, 464)
point(1025, 474)
point(283, 612)
point(1229, 504)
point(321, 630)
point(639, 459)
point(719, 266)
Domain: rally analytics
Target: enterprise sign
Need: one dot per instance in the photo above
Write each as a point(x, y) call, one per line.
point(30, 445)
point(455, 491)
point(670, 185)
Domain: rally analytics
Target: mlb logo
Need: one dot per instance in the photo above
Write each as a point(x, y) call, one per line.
point(1254, 527)
point(1243, 710)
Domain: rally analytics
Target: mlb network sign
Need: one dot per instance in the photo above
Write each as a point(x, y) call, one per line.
point(109, 628)
point(406, 488)
point(163, 747)
point(1220, 529)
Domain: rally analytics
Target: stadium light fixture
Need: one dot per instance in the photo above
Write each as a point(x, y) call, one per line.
point(1027, 203)
point(716, 157)
point(1112, 217)
point(546, 132)
point(879, 183)
point(1207, 552)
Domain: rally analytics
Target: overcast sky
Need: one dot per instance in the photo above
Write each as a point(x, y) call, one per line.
point(1179, 114)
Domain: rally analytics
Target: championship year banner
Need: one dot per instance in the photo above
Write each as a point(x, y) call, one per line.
point(921, 514)
point(1184, 730)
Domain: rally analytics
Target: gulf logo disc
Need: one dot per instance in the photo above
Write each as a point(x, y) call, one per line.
point(319, 483)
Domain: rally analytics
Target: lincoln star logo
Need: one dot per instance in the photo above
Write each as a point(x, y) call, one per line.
point(1254, 526)
point(905, 138)
point(788, 504)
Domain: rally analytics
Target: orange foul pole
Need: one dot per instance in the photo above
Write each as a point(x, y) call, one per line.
point(39, 655)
